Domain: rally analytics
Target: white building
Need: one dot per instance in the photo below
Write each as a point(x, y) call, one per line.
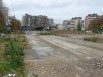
point(88, 19)
point(51, 21)
point(66, 24)
point(74, 22)
point(60, 27)
point(5, 11)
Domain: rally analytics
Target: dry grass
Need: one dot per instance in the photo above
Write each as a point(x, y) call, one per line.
point(27, 46)
point(2, 49)
point(21, 39)
point(63, 33)
point(94, 39)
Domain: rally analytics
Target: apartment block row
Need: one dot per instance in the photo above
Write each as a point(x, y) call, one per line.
point(5, 12)
point(37, 21)
point(73, 23)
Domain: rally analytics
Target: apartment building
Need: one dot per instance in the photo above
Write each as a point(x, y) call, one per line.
point(74, 22)
point(88, 19)
point(25, 20)
point(51, 23)
point(4, 11)
point(35, 21)
point(0, 3)
point(42, 20)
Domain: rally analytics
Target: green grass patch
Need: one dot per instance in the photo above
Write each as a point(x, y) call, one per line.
point(12, 56)
point(4, 67)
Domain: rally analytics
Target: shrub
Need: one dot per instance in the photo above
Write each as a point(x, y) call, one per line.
point(13, 50)
point(14, 55)
point(16, 62)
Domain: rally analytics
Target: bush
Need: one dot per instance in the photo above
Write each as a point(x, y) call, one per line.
point(14, 55)
point(16, 62)
point(15, 51)
point(12, 49)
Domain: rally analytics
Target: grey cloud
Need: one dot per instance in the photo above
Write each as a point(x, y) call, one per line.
point(57, 9)
point(39, 4)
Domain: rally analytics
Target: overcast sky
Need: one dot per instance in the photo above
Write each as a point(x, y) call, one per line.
point(56, 9)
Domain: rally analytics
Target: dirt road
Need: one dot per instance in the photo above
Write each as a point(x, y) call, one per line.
point(53, 56)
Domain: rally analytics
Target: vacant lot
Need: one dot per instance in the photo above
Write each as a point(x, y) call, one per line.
point(56, 56)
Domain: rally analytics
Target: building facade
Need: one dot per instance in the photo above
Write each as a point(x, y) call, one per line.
point(89, 19)
point(25, 20)
point(66, 24)
point(74, 22)
point(4, 11)
point(35, 21)
point(0, 3)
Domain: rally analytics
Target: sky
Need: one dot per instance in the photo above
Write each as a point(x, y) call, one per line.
point(59, 10)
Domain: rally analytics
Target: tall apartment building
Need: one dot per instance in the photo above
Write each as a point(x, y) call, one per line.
point(0, 3)
point(4, 11)
point(74, 22)
point(25, 20)
point(88, 19)
point(42, 20)
point(35, 21)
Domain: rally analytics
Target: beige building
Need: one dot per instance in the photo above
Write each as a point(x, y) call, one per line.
point(88, 19)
